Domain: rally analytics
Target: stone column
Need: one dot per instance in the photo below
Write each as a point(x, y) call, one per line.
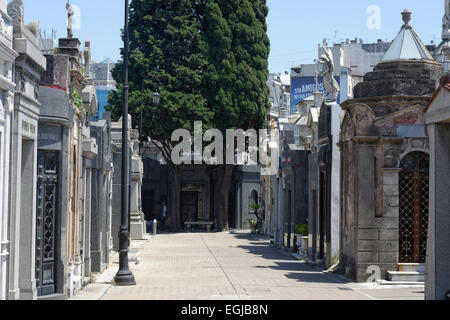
point(90, 151)
point(5, 137)
point(137, 221)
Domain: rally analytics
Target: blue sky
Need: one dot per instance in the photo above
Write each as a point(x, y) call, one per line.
point(295, 26)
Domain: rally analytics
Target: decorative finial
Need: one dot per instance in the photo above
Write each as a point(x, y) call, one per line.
point(406, 18)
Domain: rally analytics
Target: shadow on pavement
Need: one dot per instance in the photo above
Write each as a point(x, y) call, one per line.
point(296, 270)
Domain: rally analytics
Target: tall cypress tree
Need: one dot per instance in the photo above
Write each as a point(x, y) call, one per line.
point(236, 76)
point(208, 59)
point(168, 55)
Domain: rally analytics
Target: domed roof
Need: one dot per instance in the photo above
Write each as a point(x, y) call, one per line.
point(407, 45)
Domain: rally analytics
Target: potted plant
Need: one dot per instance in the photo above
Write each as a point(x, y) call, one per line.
point(253, 225)
point(254, 209)
point(301, 231)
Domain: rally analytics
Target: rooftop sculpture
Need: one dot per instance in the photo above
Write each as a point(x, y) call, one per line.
point(331, 86)
point(69, 20)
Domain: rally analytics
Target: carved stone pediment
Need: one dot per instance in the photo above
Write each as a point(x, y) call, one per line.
point(363, 114)
point(363, 117)
point(347, 127)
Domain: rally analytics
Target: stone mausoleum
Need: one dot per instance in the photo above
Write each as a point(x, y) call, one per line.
point(385, 164)
point(437, 285)
point(7, 87)
point(23, 154)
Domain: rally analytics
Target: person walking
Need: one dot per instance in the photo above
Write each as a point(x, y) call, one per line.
point(149, 221)
point(163, 213)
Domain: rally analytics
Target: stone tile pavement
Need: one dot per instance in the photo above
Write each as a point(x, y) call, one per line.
point(230, 266)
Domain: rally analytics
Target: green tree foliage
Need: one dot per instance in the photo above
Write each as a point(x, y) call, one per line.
point(168, 54)
point(208, 59)
point(235, 81)
point(236, 76)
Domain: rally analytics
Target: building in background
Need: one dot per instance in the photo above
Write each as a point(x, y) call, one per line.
point(104, 83)
point(279, 96)
point(352, 60)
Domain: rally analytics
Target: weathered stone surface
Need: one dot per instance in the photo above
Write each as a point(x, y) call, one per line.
point(400, 78)
point(368, 257)
point(437, 281)
point(389, 234)
point(391, 201)
point(389, 257)
point(391, 189)
point(378, 245)
point(388, 223)
point(390, 212)
point(368, 234)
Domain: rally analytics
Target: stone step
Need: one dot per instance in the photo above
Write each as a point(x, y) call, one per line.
point(401, 283)
point(411, 267)
point(406, 276)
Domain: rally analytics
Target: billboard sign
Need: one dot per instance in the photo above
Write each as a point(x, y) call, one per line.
point(303, 87)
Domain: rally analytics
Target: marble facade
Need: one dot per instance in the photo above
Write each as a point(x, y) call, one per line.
point(28, 68)
point(101, 209)
point(7, 87)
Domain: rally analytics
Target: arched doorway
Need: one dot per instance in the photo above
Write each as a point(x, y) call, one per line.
point(413, 206)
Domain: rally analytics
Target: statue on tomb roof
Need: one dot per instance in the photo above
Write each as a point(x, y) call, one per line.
point(446, 22)
point(15, 11)
point(69, 20)
point(331, 86)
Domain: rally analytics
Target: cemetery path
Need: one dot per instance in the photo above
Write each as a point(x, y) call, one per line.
point(236, 266)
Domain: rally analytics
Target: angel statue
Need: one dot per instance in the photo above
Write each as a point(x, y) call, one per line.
point(446, 22)
point(331, 85)
point(69, 20)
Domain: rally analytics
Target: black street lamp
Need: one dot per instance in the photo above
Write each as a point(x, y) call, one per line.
point(124, 276)
point(156, 101)
point(142, 118)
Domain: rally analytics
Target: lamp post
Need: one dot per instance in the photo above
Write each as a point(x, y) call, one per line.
point(142, 118)
point(124, 276)
point(156, 101)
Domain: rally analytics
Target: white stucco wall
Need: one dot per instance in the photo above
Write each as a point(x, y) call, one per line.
point(336, 114)
point(7, 57)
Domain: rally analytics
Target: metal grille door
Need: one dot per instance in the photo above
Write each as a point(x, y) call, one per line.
point(45, 222)
point(414, 198)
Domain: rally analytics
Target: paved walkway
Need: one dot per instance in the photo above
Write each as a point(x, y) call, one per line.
point(232, 266)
